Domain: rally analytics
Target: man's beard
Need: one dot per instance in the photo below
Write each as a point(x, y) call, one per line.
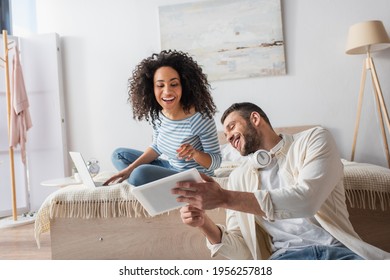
point(252, 140)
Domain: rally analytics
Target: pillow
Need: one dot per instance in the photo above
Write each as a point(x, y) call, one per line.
point(231, 154)
point(231, 158)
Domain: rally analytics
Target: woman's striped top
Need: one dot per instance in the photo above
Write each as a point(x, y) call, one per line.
point(199, 131)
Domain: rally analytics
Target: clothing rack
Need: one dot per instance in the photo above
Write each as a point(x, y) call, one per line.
point(8, 97)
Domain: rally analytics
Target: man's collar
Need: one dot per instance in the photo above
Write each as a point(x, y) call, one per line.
point(288, 140)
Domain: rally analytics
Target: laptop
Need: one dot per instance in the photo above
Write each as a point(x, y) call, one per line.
point(156, 196)
point(82, 169)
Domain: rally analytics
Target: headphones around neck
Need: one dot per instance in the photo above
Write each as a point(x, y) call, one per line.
point(263, 158)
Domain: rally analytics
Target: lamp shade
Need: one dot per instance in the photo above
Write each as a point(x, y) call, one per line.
point(369, 36)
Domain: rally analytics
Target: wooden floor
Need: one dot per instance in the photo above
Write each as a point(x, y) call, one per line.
point(18, 243)
point(373, 226)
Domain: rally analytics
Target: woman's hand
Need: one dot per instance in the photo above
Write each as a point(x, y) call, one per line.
point(187, 152)
point(119, 177)
point(192, 216)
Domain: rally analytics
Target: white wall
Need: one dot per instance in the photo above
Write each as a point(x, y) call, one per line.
point(103, 40)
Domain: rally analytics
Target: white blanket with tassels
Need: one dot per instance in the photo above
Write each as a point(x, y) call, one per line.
point(79, 201)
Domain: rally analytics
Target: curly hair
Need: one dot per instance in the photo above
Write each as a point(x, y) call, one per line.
point(195, 86)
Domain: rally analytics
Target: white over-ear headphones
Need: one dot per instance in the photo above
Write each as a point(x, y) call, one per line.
point(262, 158)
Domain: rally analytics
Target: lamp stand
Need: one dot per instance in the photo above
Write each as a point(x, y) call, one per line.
point(368, 65)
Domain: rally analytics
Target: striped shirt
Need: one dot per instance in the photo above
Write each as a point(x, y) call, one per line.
point(198, 131)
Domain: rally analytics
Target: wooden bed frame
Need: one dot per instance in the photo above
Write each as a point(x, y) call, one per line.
point(163, 237)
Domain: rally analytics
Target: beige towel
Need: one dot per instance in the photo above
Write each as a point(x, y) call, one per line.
point(20, 115)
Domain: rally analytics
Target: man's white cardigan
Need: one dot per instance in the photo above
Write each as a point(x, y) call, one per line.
point(311, 166)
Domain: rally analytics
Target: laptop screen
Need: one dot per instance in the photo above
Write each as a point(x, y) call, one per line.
point(82, 169)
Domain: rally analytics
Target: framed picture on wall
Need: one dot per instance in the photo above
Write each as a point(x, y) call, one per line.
point(230, 39)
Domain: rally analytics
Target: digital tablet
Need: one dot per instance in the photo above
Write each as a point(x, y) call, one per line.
point(156, 196)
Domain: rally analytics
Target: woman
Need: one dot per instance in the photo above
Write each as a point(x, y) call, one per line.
point(170, 90)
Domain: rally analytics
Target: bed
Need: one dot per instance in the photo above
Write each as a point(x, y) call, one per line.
point(108, 223)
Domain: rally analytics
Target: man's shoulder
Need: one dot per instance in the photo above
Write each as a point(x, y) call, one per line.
point(315, 129)
point(312, 133)
point(317, 138)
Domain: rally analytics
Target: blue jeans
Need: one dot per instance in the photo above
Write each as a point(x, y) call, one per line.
point(318, 252)
point(157, 169)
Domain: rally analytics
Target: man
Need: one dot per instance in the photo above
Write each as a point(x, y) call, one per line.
point(292, 207)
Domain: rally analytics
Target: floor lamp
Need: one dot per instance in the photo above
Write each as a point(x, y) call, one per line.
point(365, 38)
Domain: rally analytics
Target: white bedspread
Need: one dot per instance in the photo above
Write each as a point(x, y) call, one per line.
point(79, 201)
